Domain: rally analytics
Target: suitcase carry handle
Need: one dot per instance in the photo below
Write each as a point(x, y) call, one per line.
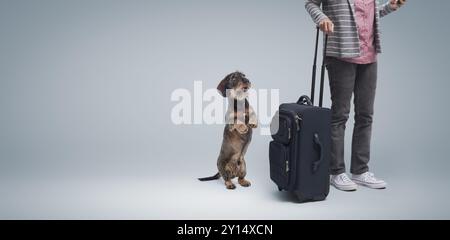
point(317, 163)
point(305, 100)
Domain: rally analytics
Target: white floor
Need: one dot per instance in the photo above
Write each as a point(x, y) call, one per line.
point(178, 198)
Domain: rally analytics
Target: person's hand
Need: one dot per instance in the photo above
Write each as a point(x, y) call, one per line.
point(326, 26)
point(395, 4)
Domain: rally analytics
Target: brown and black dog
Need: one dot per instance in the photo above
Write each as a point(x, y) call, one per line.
point(240, 120)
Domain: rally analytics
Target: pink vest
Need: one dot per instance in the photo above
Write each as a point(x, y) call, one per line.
point(365, 22)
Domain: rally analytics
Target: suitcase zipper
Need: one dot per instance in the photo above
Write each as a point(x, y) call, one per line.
point(298, 119)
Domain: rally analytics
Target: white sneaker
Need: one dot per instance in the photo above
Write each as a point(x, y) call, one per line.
point(368, 180)
point(343, 182)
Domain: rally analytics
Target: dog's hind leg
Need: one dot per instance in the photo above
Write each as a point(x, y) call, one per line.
point(230, 185)
point(242, 173)
point(226, 173)
point(227, 178)
point(244, 182)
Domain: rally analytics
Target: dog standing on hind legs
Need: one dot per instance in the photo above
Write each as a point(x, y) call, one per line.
point(240, 121)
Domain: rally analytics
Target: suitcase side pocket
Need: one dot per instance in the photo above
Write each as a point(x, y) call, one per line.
point(281, 129)
point(279, 164)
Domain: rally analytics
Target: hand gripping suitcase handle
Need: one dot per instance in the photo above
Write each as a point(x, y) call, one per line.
point(316, 164)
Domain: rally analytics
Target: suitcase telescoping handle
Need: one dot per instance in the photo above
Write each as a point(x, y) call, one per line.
point(322, 73)
point(305, 99)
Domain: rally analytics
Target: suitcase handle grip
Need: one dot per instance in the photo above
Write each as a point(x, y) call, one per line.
point(317, 163)
point(305, 100)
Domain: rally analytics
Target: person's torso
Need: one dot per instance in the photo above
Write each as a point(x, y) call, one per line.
point(355, 36)
point(364, 14)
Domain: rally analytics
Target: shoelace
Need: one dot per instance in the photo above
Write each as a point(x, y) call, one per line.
point(370, 177)
point(345, 178)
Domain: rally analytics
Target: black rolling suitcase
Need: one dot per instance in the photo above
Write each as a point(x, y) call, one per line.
point(300, 150)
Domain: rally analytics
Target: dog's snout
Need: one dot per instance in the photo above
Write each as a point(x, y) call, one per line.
point(246, 84)
point(245, 87)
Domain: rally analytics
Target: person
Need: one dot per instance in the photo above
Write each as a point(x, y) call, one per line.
point(351, 58)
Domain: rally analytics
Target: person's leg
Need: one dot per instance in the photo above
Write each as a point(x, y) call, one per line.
point(365, 89)
point(342, 77)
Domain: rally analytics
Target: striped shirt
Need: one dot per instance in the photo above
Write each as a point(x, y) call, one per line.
point(345, 41)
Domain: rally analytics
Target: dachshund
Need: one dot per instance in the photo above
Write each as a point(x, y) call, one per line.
point(240, 120)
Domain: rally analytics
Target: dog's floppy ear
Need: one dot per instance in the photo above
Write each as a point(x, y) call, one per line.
point(223, 86)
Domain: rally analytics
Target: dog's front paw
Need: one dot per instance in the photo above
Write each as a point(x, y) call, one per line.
point(253, 122)
point(242, 128)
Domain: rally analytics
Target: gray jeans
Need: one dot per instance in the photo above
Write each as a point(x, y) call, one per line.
point(347, 79)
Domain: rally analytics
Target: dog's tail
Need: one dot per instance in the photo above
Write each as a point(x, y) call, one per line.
point(215, 177)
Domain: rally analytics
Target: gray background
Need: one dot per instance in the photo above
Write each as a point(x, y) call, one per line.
point(85, 128)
